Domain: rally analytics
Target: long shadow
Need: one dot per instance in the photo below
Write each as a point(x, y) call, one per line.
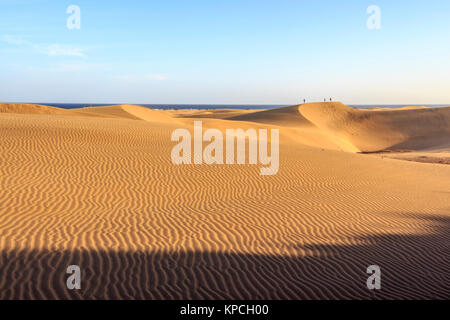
point(412, 267)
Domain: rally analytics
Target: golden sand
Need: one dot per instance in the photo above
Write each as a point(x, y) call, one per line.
point(96, 187)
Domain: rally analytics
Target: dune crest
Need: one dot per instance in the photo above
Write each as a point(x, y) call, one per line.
point(369, 131)
point(26, 108)
point(130, 112)
point(148, 114)
point(285, 117)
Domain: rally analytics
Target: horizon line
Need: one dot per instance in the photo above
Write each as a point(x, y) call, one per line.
point(227, 104)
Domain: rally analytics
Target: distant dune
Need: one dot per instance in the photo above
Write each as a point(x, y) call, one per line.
point(287, 116)
point(356, 130)
point(24, 108)
point(368, 131)
point(96, 187)
point(397, 109)
point(128, 111)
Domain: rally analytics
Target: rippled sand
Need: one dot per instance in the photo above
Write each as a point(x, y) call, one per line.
point(96, 187)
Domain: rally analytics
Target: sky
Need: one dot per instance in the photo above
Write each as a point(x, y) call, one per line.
point(225, 52)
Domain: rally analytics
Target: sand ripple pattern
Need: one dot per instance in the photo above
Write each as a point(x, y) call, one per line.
point(102, 193)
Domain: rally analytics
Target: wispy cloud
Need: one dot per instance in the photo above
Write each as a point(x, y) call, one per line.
point(50, 50)
point(157, 77)
point(77, 66)
point(14, 40)
point(140, 78)
point(69, 67)
point(61, 50)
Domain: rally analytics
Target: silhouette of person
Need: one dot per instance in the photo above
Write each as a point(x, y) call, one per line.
point(304, 101)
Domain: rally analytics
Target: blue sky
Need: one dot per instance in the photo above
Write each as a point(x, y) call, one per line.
point(225, 52)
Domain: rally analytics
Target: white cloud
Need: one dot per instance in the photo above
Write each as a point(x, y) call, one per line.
point(50, 50)
point(158, 77)
point(67, 67)
point(60, 50)
point(14, 40)
point(140, 78)
point(77, 66)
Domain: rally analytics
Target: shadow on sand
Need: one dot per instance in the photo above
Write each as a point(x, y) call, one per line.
point(413, 267)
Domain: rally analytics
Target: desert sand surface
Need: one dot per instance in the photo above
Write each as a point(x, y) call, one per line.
point(25, 108)
point(96, 187)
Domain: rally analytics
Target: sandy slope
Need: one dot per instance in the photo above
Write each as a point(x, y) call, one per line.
point(370, 131)
point(213, 114)
point(287, 117)
point(97, 188)
point(25, 108)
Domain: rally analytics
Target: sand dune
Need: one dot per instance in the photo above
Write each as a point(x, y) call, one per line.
point(286, 117)
point(127, 111)
point(24, 108)
point(370, 131)
point(212, 114)
point(116, 111)
point(97, 188)
point(397, 109)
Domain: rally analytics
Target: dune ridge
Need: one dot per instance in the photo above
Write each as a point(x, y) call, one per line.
point(102, 192)
point(369, 131)
point(128, 111)
point(286, 117)
point(26, 108)
point(361, 130)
